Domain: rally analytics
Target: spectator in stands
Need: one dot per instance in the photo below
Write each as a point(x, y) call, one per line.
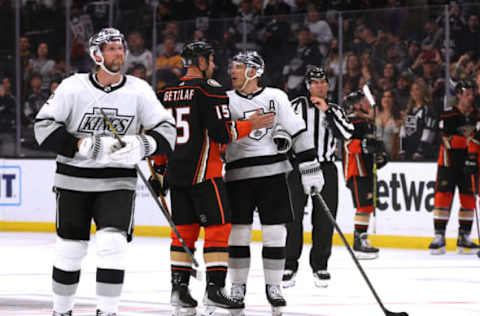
point(402, 91)
point(427, 67)
point(276, 7)
point(139, 71)
point(246, 21)
point(434, 35)
point(388, 80)
point(471, 36)
point(306, 53)
point(35, 99)
point(81, 28)
point(138, 54)
point(413, 51)
point(353, 74)
point(42, 65)
point(169, 65)
point(7, 123)
point(7, 85)
point(392, 55)
point(464, 68)
point(201, 12)
point(418, 128)
point(172, 30)
point(334, 68)
point(319, 28)
point(388, 122)
point(369, 41)
point(54, 85)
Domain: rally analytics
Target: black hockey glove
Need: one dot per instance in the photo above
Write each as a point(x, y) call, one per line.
point(370, 145)
point(471, 164)
point(160, 184)
point(381, 159)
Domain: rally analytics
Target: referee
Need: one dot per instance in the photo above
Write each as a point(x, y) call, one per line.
point(326, 122)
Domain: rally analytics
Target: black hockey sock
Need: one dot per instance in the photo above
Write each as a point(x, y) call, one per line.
point(440, 227)
point(216, 277)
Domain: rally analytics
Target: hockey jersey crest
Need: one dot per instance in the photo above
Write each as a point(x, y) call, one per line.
point(73, 112)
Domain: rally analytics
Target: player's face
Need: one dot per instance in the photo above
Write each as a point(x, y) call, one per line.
point(114, 55)
point(238, 75)
point(466, 97)
point(318, 88)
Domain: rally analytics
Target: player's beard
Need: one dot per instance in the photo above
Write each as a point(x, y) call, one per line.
point(116, 65)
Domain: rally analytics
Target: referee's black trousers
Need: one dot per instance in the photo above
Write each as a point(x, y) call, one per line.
point(322, 229)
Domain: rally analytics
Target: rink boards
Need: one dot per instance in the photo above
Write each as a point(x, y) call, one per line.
point(404, 216)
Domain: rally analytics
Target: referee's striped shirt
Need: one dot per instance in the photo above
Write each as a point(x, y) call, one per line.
point(325, 127)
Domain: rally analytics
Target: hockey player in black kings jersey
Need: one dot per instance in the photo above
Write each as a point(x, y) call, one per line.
point(194, 173)
point(457, 127)
point(358, 154)
point(95, 176)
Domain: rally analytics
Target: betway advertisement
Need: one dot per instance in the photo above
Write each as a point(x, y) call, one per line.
point(405, 208)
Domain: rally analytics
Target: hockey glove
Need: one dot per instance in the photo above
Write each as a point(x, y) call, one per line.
point(97, 148)
point(381, 159)
point(159, 184)
point(312, 176)
point(471, 164)
point(136, 148)
point(370, 145)
point(282, 139)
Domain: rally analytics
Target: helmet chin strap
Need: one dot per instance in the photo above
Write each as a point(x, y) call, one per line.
point(101, 63)
point(247, 78)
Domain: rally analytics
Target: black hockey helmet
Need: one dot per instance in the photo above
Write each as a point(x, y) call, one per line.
point(191, 51)
point(463, 85)
point(314, 72)
point(351, 99)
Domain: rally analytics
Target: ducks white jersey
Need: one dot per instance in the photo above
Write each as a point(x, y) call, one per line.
point(256, 155)
point(73, 112)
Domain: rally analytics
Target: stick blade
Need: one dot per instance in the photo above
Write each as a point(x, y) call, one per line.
point(389, 313)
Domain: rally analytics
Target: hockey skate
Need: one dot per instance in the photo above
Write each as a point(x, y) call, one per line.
point(215, 297)
point(437, 246)
point(465, 245)
point(100, 313)
point(275, 298)
point(238, 292)
point(288, 278)
point(69, 313)
point(362, 247)
point(182, 300)
point(321, 278)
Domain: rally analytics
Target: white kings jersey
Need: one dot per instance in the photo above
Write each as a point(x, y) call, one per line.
point(256, 155)
point(73, 112)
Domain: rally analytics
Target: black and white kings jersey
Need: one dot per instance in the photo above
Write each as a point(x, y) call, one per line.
point(256, 155)
point(73, 112)
point(324, 127)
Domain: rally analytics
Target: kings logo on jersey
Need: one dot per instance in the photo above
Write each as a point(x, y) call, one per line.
point(94, 124)
point(259, 133)
point(10, 185)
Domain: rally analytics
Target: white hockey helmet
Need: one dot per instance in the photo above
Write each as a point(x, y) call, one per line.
point(98, 40)
point(251, 59)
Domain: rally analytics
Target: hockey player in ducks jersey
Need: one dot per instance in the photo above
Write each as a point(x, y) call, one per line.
point(359, 153)
point(256, 176)
point(95, 176)
point(194, 173)
point(457, 127)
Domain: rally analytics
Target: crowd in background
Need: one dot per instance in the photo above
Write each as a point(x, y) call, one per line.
point(398, 46)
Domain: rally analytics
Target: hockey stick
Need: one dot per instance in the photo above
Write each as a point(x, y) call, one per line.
point(152, 192)
point(371, 100)
point(197, 274)
point(476, 214)
point(327, 211)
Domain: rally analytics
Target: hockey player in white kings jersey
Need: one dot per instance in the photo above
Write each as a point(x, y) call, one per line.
point(256, 176)
point(95, 176)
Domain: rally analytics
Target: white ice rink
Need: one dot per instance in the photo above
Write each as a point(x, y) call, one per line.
point(406, 280)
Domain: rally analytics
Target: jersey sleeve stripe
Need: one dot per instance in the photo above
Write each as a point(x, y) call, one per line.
point(219, 200)
point(203, 160)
